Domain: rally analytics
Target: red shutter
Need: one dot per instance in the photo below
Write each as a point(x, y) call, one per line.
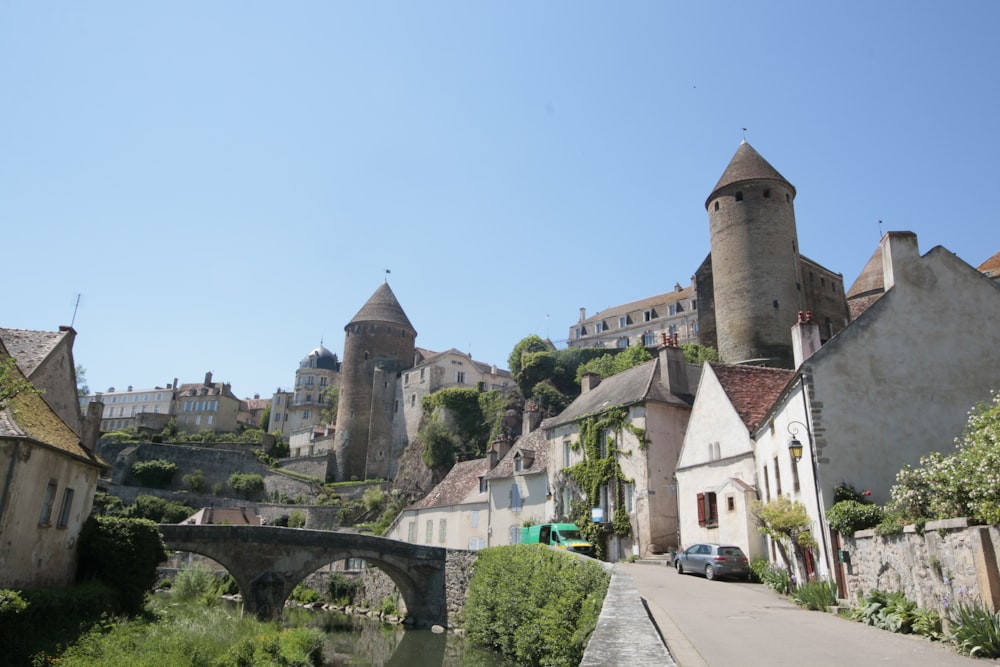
point(701, 509)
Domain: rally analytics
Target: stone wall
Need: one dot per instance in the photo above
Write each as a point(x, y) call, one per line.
point(946, 563)
point(319, 465)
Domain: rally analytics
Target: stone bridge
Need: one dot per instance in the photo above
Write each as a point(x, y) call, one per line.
point(268, 561)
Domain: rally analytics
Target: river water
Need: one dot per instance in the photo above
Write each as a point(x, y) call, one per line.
point(359, 641)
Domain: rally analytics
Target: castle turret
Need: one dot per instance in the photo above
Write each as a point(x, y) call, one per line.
point(755, 261)
point(378, 344)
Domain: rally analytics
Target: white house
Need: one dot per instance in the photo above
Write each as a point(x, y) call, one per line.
point(518, 488)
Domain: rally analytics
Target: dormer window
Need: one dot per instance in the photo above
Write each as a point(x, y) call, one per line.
point(483, 485)
point(518, 462)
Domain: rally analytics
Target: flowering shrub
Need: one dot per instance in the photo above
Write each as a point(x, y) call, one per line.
point(963, 483)
point(848, 516)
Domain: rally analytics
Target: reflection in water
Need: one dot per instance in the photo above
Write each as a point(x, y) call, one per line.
point(358, 641)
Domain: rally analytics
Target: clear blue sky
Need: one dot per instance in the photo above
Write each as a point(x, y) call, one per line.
point(225, 183)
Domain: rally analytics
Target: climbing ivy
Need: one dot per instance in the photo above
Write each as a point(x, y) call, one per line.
point(601, 468)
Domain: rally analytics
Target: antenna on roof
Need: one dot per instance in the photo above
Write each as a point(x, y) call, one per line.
point(72, 321)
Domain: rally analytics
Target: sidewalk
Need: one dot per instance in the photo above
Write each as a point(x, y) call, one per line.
point(736, 624)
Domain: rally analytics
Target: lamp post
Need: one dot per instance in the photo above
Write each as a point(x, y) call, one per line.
point(795, 445)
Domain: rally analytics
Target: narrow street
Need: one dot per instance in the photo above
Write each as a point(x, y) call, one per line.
point(737, 624)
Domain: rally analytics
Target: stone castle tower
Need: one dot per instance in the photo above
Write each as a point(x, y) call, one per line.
point(755, 262)
point(378, 343)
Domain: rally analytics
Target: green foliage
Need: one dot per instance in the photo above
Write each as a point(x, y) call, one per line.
point(534, 605)
point(699, 354)
point(105, 503)
point(195, 481)
point(527, 345)
point(394, 504)
point(11, 604)
point(848, 516)
point(787, 523)
point(303, 594)
point(439, 444)
point(195, 582)
point(330, 397)
point(463, 404)
point(845, 491)
point(614, 363)
point(12, 382)
point(265, 418)
point(81, 381)
point(249, 486)
point(816, 595)
point(888, 611)
point(373, 498)
point(772, 576)
point(549, 399)
point(155, 474)
point(192, 634)
point(158, 510)
point(927, 622)
point(280, 449)
point(975, 630)
point(963, 483)
point(122, 553)
point(389, 607)
point(546, 375)
point(296, 520)
point(342, 588)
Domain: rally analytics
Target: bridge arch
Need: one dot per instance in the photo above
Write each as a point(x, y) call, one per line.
point(267, 563)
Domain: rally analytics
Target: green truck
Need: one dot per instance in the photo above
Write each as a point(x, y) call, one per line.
point(560, 535)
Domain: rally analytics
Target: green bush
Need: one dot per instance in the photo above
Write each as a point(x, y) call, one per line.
point(156, 474)
point(816, 595)
point(888, 611)
point(772, 576)
point(342, 589)
point(194, 582)
point(304, 594)
point(249, 486)
point(159, 510)
point(124, 554)
point(534, 605)
point(848, 516)
point(975, 630)
point(296, 519)
point(195, 481)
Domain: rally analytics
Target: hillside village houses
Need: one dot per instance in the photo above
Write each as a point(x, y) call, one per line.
point(49, 468)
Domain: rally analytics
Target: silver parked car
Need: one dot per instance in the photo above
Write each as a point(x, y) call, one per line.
point(713, 561)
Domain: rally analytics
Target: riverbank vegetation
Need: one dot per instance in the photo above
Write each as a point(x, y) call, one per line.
point(534, 605)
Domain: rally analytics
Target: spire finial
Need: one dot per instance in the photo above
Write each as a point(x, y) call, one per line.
point(744, 136)
point(387, 272)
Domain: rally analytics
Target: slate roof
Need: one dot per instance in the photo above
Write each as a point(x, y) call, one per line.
point(752, 390)
point(382, 307)
point(534, 450)
point(747, 164)
point(214, 389)
point(30, 348)
point(427, 356)
point(460, 485)
point(28, 416)
point(642, 304)
point(635, 385)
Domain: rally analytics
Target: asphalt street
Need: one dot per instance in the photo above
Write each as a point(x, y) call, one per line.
point(739, 624)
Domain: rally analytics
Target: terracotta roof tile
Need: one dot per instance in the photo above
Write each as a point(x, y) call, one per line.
point(752, 389)
point(991, 267)
point(460, 485)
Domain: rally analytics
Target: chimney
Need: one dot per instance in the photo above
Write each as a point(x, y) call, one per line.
point(498, 450)
point(589, 381)
point(583, 314)
point(174, 386)
point(805, 338)
point(531, 419)
point(899, 250)
point(673, 370)
point(208, 378)
point(92, 425)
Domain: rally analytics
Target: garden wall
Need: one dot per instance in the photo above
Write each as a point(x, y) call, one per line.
point(945, 563)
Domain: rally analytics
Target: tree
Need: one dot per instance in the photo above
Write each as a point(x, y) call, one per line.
point(614, 363)
point(81, 381)
point(330, 397)
point(265, 417)
point(440, 444)
point(532, 343)
point(787, 523)
point(699, 354)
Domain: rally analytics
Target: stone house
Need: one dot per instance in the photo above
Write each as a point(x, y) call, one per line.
point(518, 486)
point(300, 410)
point(655, 399)
point(716, 472)
point(49, 475)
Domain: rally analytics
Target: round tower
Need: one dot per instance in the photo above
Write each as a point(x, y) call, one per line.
point(755, 261)
point(378, 343)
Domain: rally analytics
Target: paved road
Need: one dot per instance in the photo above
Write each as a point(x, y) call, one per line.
point(737, 624)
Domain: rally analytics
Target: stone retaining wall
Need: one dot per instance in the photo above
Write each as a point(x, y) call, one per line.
point(945, 563)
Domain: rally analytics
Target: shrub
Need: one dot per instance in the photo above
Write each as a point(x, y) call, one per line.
point(534, 605)
point(124, 554)
point(772, 576)
point(156, 474)
point(848, 516)
point(888, 611)
point(304, 594)
point(296, 519)
point(194, 582)
point(342, 588)
point(249, 486)
point(11, 604)
point(975, 630)
point(158, 510)
point(816, 595)
point(195, 481)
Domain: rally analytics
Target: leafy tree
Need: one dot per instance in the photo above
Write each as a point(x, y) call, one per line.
point(123, 553)
point(156, 473)
point(330, 397)
point(699, 354)
point(249, 486)
point(528, 344)
point(787, 523)
point(614, 363)
point(195, 481)
point(440, 444)
point(158, 510)
point(265, 418)
point(81, 381)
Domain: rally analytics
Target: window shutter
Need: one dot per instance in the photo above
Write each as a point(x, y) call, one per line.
point(701, 509)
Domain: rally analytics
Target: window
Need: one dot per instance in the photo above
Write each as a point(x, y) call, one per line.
point(767, 194)
point(518, 462)
point(442, 530)
point(647, 315)
point(708, 510)
point(622, 343)
point(309, 381)
point(477, 543)
point(649, 339)
point(460, 377)
point(354, 564)
point(767, 485)
point(413, 400)
point(406, 379)
point(411, 532)
point(731, 503)
point(422, 374)
point(777, 477)
point(566, 453)
point(484, 486)
point(515, 535)
point(622, 322)
point(474, 517)
point(629, 493)
point(50, 495)
point(580, 331)
point(430, 531)
point(739, 196)
point(598, 327)
point(672, 309)
point(64, 511)
point(211, 419)
point(716, 205)
point(694, 304)
point(515, 498)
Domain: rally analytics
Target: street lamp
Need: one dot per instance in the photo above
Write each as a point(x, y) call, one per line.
point(795, 445)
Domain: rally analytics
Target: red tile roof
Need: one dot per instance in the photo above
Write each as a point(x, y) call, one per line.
point(752, 389)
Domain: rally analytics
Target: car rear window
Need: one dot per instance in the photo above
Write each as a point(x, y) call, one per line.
point(732, 552)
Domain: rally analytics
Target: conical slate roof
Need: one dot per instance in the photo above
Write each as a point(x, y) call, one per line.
point(746, 165)
point(382, 307)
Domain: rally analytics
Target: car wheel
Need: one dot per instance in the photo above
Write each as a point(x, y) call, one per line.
point(709, 572)
point(680, 568)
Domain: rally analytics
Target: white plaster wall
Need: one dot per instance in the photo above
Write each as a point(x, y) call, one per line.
point(534, 505)
point(459, 531)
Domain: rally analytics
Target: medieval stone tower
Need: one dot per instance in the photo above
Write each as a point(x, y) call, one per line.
point(378, 343)
point(755, 261)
